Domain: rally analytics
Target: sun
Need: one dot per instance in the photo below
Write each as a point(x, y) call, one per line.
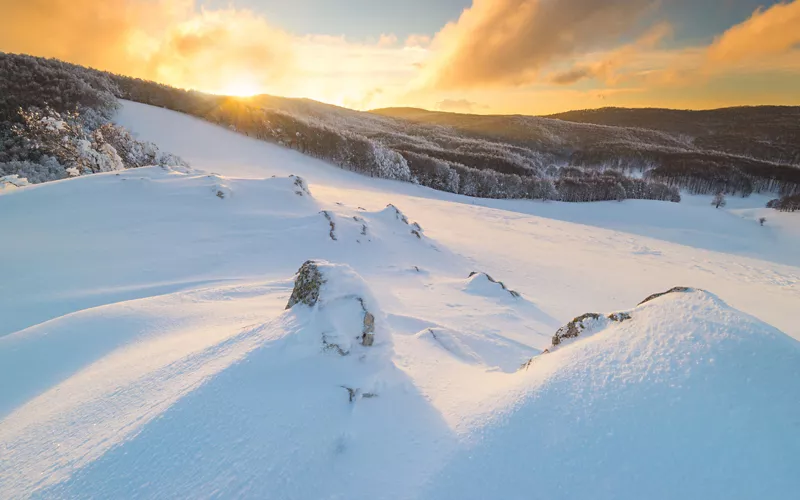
point(241, 88)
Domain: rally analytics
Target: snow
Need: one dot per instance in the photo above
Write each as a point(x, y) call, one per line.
point(145, 331)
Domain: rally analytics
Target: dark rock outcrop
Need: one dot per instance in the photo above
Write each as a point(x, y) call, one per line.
point(307, 285)
point(677, 289)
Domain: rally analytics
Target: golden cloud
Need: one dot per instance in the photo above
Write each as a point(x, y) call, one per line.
point(507, 42)
point(771, 32)
point(608, 66)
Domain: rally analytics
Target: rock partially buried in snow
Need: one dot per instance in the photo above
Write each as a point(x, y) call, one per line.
point(301, 188)
point(220, 189)
point(677, 289)
point(414, 227)
point(397, 213)
point(368, 332)
point(307, 284)
point(329, 217)
point(590, 323)
point(476, 276)
point(330, 286)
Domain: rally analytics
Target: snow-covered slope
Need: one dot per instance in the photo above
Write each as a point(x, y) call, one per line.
point(144, 331)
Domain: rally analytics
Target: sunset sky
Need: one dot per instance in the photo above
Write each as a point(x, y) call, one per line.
point(479, 56)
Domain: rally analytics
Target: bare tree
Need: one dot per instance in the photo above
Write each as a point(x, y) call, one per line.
point(762, 220)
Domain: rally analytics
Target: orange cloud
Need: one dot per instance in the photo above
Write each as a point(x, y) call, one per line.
point(164, 40)
point(770, 32)
point(609, 65)
point(82, 31)
point(230, 51)
point(212, 48)
point(507, 42)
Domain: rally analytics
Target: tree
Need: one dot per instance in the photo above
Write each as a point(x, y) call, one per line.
point(762, 220)
point(719, 200)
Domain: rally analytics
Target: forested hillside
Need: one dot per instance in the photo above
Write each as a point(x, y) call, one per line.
point(717, 154)
point(765, 132)
point(55, 122)
point(485, 156)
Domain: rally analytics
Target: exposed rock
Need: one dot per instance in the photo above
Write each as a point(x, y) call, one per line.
point(363, 224)
point(329, 217)
point(492, 280)
point(219, 188)
point(619, 317)
point(307, 285)
point(354, 394)
point(400, 215)
point(308, 288)
point(591, 321)
point(327, 345)
point(368, 331)
point(677, 289)
point(415, 228)
point(300, 185)
point(574, 327)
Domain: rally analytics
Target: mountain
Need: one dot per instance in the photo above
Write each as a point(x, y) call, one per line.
point(263, 324)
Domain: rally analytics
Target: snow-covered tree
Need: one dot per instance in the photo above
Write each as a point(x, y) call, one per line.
point(719, 200)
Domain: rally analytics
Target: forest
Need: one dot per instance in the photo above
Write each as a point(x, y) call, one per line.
point(55, 121)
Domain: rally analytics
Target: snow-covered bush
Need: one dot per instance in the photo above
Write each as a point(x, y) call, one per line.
point(48, 169)
point(68, 146)
point(55, 122)
point(12, 181)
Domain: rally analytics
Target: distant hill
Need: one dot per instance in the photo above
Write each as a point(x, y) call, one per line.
point(767, 132)
point(733, 150)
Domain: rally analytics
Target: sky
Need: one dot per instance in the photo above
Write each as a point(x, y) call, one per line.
point(473, 56)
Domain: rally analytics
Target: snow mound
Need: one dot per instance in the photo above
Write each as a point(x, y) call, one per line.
point(219, 187)
point(482, 284)
point(492, 351)
point(688, 386)
point(345, 311)
point(590, 323)
point(392, 213)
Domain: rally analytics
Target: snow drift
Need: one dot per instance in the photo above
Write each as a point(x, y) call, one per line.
point(683, 400)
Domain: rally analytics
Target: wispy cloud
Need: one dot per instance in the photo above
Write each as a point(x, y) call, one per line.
point(458, 105)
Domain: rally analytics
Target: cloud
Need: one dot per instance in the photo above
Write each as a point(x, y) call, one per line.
point(457, 105)
point(389, 40)
point(766, 33)
point(213, 48)
point(417, 40)
point(607, 65)
point(507, 42)
point(226, 50)
point(83, 31)
point(164, 40)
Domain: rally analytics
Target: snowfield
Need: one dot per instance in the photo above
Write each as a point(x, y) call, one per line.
point(146, 350)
